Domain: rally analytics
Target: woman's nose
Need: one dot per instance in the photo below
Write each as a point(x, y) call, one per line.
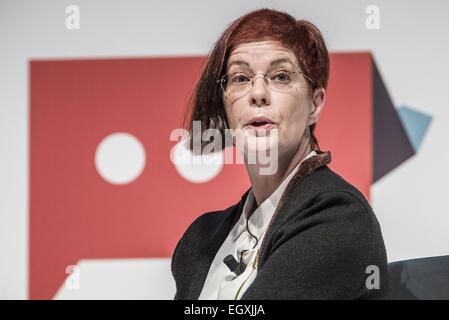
point(259, 94)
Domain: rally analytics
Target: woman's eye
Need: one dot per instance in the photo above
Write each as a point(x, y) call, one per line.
point(240, 78)
point(282, 76)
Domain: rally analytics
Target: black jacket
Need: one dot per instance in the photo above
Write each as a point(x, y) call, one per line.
point(319, 245)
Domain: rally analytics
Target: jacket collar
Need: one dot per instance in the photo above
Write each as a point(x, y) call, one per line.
point(321, 159)
point(308, 166)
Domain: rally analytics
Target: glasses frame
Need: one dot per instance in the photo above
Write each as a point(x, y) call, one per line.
point(265, 77)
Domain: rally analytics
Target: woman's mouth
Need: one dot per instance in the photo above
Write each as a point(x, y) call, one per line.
point(260, 124)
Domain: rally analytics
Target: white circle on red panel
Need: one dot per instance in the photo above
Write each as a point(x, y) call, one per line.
point(120, 158)
point(196, 168)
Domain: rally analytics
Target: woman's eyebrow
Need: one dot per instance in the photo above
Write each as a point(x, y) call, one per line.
point(273, 63)
point(239, 62)
point(280, 61)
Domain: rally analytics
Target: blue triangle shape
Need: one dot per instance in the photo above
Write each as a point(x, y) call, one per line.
point(415, 124)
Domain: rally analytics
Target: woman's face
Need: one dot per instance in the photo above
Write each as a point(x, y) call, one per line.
point(290, 110)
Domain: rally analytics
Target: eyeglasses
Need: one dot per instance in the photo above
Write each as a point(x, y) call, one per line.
point(239, 83)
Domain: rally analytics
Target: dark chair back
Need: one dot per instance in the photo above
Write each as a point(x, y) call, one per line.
point(420, 279)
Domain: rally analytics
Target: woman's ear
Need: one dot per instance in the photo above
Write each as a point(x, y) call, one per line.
point(318, 98)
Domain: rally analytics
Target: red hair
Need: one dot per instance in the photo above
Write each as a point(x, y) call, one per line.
point(300, 36)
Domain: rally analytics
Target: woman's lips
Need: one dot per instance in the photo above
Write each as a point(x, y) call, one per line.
point(264, 127)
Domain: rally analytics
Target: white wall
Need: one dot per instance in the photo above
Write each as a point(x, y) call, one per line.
point(410, 49)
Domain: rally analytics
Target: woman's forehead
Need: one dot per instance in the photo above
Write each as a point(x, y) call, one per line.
point(262, 52)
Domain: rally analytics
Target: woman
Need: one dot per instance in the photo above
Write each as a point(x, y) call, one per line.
point(302, 231)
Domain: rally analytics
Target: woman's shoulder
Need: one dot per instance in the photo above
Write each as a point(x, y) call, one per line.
point(209, 223)
point(202, 238)
point(326, 182)
point(327, 226)
point(205, 222)
point(208, 220)
point(324, 198)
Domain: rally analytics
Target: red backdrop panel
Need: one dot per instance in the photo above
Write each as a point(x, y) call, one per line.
point(75, 214)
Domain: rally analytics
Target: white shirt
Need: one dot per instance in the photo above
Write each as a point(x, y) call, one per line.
point(221, 283)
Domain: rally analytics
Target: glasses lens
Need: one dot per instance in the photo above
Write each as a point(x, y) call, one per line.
point(282, 80)
point(239, 84)
point(236, 83)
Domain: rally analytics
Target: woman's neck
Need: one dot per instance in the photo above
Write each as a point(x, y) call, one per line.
point(264, 185)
